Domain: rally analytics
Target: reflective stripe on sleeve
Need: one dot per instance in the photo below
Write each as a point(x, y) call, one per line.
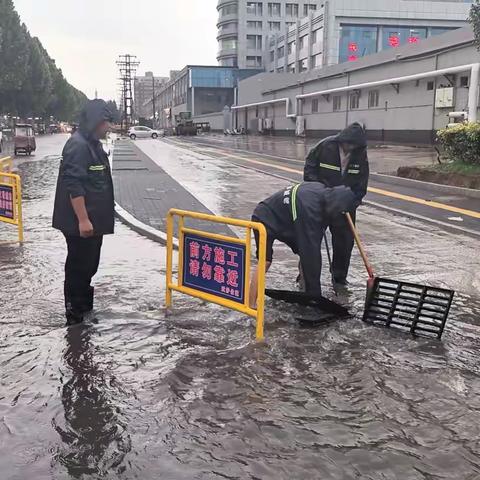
point(294, 201)
point(329, 167)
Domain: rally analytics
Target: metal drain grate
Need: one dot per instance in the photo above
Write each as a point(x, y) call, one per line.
point(410, 307)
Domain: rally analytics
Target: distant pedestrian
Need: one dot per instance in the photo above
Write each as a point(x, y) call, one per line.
point(84, 206)
point(341, 160)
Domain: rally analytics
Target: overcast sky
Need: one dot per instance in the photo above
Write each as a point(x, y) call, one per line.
point(85, 37)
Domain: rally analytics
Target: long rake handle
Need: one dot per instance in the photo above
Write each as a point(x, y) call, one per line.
point(360, 246)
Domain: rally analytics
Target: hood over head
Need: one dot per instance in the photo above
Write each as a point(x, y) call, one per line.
point(94, 112)
point(353, 134)
point(339, 199)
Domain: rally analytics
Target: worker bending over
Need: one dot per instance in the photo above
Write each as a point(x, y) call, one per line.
point(298, 217)
point(341, 160)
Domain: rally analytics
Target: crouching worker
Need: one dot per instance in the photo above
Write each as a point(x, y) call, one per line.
point(298, 217)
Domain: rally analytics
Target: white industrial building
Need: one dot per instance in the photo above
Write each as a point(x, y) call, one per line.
point(272, 35)
point(400, 95)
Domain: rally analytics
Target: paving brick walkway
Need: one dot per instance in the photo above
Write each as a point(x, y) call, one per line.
point(144, 190)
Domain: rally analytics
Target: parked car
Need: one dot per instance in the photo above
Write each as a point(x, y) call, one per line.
point(144, 132)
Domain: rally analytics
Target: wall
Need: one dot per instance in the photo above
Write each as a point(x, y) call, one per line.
point(216, 120)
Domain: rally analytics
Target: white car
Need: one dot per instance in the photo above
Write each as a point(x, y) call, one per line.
point(144, 132)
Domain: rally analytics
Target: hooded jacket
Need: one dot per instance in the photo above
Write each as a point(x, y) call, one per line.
point(323, 162)
point(298, 216)
point(85, 172)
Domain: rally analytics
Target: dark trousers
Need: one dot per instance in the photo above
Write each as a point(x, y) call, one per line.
point(342, 243)
point(81, 265)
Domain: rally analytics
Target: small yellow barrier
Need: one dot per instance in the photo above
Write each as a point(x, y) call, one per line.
point(11, 198)
point(6, 164)
point(214, 267)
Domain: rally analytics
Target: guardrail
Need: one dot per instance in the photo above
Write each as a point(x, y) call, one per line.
point(216, 268)
point(10, 196)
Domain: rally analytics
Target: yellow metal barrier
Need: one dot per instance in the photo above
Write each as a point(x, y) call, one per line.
point(11, 201)
point(6, 164)
point(223, 279)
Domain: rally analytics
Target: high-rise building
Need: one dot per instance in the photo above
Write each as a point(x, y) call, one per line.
point(300, 35)
point(144, 89)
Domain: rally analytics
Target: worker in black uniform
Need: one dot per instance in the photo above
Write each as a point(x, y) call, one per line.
point(298, 217)
point(84, 206)
point(341, 160)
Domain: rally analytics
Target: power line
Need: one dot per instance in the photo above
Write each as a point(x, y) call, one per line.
point(127, 67)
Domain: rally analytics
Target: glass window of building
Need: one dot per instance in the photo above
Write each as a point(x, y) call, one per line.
point(229, 10)
point(356, 41)
point(354, 101)
point(303, 65)
point(228, 44)
point(290, 24)
point(317, 60)
point(291, 9)
point(373, 97)
point(272, 56)
point(254, 24)
point(315, 105)
point(337, 103)
point(228, 27)
point(302, 43)
point(440, 30)
point(395, 36)
point(281, 52)
point(274, 26)
point(307, 8)
point(291, 47)
point(255, 8)
point(254, 61)
point(291, 68)
point(274, 9)
point(316, 36)
point(254, 42)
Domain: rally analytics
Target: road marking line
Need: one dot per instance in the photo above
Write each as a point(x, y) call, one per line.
point(379, 191)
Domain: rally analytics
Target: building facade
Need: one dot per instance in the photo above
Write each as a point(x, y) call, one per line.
point(144, 88)
point(342, 31)
point(400, 95)
point(302, 35)
point(244, 28)
point(200, 90)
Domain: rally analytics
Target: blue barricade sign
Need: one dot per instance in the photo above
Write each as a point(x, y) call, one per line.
point(214, 266)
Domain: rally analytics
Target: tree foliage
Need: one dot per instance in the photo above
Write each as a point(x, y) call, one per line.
point(30, 82)
point(461, 143)
point(474, 19)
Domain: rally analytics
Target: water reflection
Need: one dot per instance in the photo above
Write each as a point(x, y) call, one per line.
point(94, 434)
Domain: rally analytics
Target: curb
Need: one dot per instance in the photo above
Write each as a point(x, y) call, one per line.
point(428, 186)
point(142, 228)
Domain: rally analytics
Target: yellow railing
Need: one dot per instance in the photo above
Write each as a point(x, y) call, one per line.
point(11, 198)
point(6, 164)
point(242, 302)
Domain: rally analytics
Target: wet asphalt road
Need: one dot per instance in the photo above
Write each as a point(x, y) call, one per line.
point(133, 394)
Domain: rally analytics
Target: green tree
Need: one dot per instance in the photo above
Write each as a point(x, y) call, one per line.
point(474, 19)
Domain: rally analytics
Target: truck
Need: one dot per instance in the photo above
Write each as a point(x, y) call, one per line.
point(184, 124)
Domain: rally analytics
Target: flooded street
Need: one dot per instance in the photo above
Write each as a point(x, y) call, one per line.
point(136, 394)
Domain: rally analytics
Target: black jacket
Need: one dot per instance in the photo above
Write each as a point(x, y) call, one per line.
point(298, 217)
point(85, 172)
point(323, 162)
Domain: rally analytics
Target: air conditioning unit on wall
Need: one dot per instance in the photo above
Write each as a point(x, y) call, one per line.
point(260, 125)
point(300, 126)
point(268, 125)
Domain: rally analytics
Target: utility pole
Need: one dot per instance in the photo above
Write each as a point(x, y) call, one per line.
point(153, 101)
point(127, 66)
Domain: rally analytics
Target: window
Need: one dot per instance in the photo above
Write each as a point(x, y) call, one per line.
point(303, 65)
point(291, 68)
point(292, 9)
point(337, 103)
point(274, 9)
point(274, 26)
point(228, 44)
point(290, 24)
point(317, 60)
point(281, 52)
point(316, 36)
point(309, 7)
point(373, 98)
point(430, 85)
point(354, 101)
point(272, 56)
point(394, 37)
point(315, 105)
point(254, 61)
point(254, 24)
point(228, 27)
point(229, 10)
point(303, 42)
point(464, 81)
point(291, 47)
point(356, 41)
point(254, 42)
point(254, 8)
